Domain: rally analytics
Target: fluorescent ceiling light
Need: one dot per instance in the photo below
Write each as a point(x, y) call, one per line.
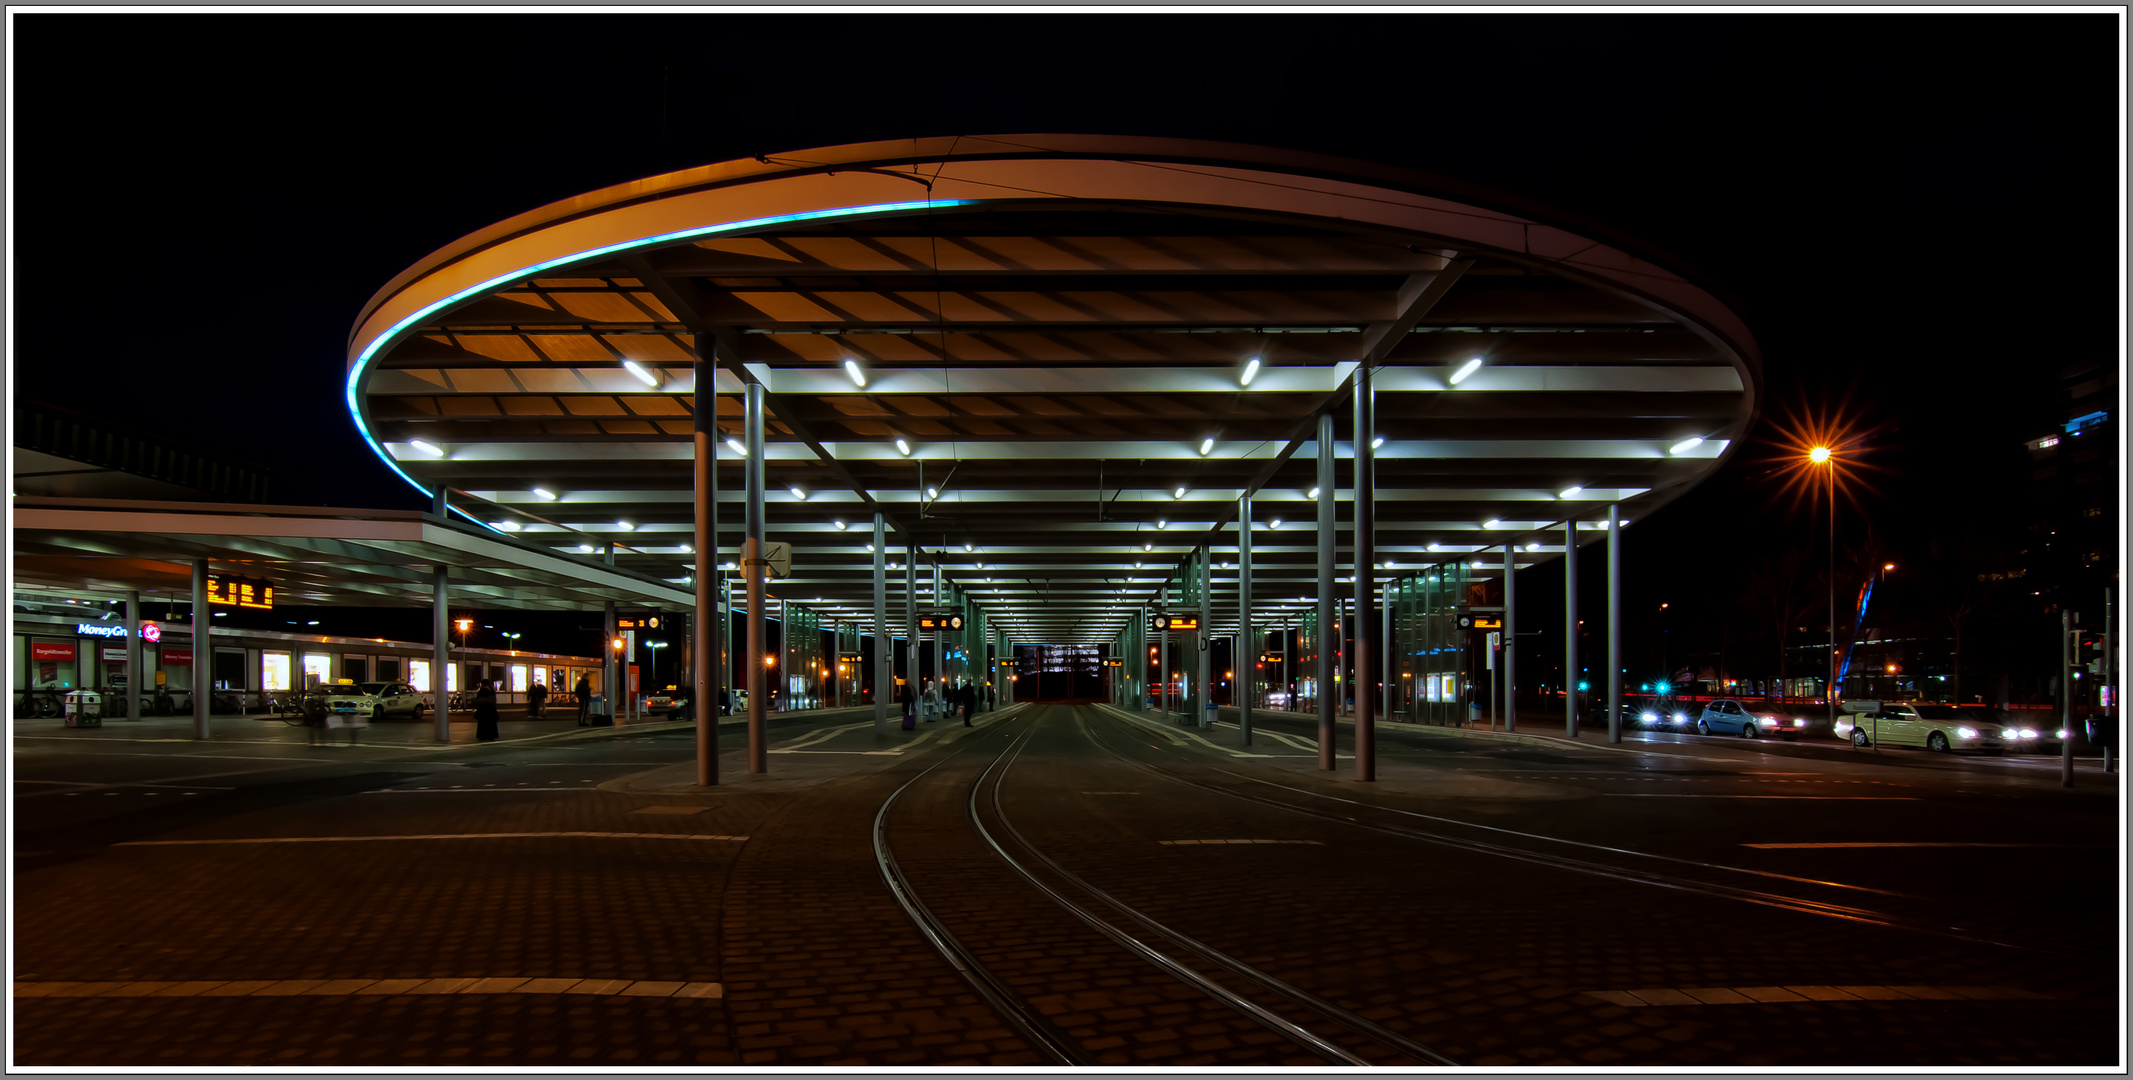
point(432, 449)
point(933, 493)
point(1534, 546)
point(1162, 523)
point(1686, 445)
point(1147, 547)
point(1465, 370)
point(903, 447)
point(1274, 524)
point(1491, 524)
point(1251, 369)
point(1178, 494)
point(585, 549)
point(687, 549)
point(1311, 494)
point(643, 376)
point(737, 447)
point(797, 493)
point(624, 526)
point(1377, 442)
point(839, 524)
point(1434, 547)
point(1206, 445)
point(1571, 492)
point(859, 378)
point(544, 494)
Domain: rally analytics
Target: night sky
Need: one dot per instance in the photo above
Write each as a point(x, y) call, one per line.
point(1918, 214)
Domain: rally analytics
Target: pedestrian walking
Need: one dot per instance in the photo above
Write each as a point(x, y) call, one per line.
point(485, 711)
point(584, 693)
point(969, 696)
point(991, 702)
point(535, 698)
point(903, 698)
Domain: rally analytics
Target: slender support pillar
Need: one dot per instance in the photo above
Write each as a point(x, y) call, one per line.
point(1246, 664)
point(1365, 577)
point(703, 650)
point(1570, 634)
point(1510, 637)
point(884, 639)
point(441, 651)
point(2066, 694)
point(203, 650)
point(911, 679)
point(1386, 682)
point(940, 633)
point(1203, 698)
point(1614, 622)
point(1329, 634)
point(753, 565)
point(611, 660)
point(134, 674)
point(1162, 669)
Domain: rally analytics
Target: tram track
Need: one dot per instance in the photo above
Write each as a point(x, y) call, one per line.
point(1315, 1030)
point(1440, 836)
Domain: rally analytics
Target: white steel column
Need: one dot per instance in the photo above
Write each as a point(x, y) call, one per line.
point(884, 640)
point(1204, 697)
point(703, 659)
point(1570, 620)
point(753, 565)
point(1328, 615)
point(203, 650)
point(1365, 562)
point(133, 654)
point(1614, 622)
point(1510, 637)
point(1248, 664)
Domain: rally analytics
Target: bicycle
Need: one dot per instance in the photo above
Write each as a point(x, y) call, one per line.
point(42, 704)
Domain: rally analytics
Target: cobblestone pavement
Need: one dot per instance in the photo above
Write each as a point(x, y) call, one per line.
point(576, 902)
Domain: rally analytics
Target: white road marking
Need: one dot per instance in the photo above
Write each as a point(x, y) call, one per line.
point(1910, 844)
point(354, 987)
point(1769, 995)
point(424, 836)
point(1317, 843)
point(1693, 795)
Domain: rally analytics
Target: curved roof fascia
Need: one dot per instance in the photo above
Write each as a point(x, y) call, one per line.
point(1209, 175)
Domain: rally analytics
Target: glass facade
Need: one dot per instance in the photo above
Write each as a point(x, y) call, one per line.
point(1429, 655)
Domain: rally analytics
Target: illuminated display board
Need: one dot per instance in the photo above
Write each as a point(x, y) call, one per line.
point(229, 590)
point(1083, 660)
point(1176, 622)
point(940, 622)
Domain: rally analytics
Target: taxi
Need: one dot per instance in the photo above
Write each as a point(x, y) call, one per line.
point(1940, 728)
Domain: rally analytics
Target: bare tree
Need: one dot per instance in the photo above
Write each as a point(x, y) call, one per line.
point(1776, 600)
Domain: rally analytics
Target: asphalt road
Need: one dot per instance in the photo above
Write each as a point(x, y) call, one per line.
point(1077, 884)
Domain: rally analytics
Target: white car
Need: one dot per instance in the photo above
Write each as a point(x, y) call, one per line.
point(375, 700)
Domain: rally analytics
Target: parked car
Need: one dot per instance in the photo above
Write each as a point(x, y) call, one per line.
point(391, 698)
point(662, 700)
point(1940, 728)
point(1734, 718)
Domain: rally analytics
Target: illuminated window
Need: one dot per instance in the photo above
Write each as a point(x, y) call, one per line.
point(518, 678)
point(418, 675)
point(274, 671)
point(320, 665)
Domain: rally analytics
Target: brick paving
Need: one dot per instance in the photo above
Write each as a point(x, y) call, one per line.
point(579, 934)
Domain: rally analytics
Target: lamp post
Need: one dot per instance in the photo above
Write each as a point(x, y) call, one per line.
point(1822, 456)
point(655, 646)
point(466, 631)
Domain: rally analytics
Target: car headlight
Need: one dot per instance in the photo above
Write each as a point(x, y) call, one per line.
point(2061, 734)
point(2029, 733)
point(1797, 722)
point(1766, 721)
point(1649, 718)
point(1681, 718)
point(1966, 732)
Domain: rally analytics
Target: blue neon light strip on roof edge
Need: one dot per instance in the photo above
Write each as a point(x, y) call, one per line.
point(355, 374)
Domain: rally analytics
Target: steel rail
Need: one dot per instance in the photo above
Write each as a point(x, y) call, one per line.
point(1643, 877)
point(1039, 1032)
point(1275, 1022)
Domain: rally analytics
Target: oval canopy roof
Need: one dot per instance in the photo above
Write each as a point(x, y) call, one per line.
point(1060, 329)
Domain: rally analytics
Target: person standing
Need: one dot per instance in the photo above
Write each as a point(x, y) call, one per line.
point(903, 698)
point(584, 693)
point(535, 698)
point(969, 700)
point(485, 711)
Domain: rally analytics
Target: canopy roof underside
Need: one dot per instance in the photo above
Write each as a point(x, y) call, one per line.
point(1054, 329)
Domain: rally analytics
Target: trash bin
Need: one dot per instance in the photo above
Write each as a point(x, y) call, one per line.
point(1207, 718)
point(84, 708)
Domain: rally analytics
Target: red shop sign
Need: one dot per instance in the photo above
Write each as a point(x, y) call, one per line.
point(177, 657)
point(51, 650)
